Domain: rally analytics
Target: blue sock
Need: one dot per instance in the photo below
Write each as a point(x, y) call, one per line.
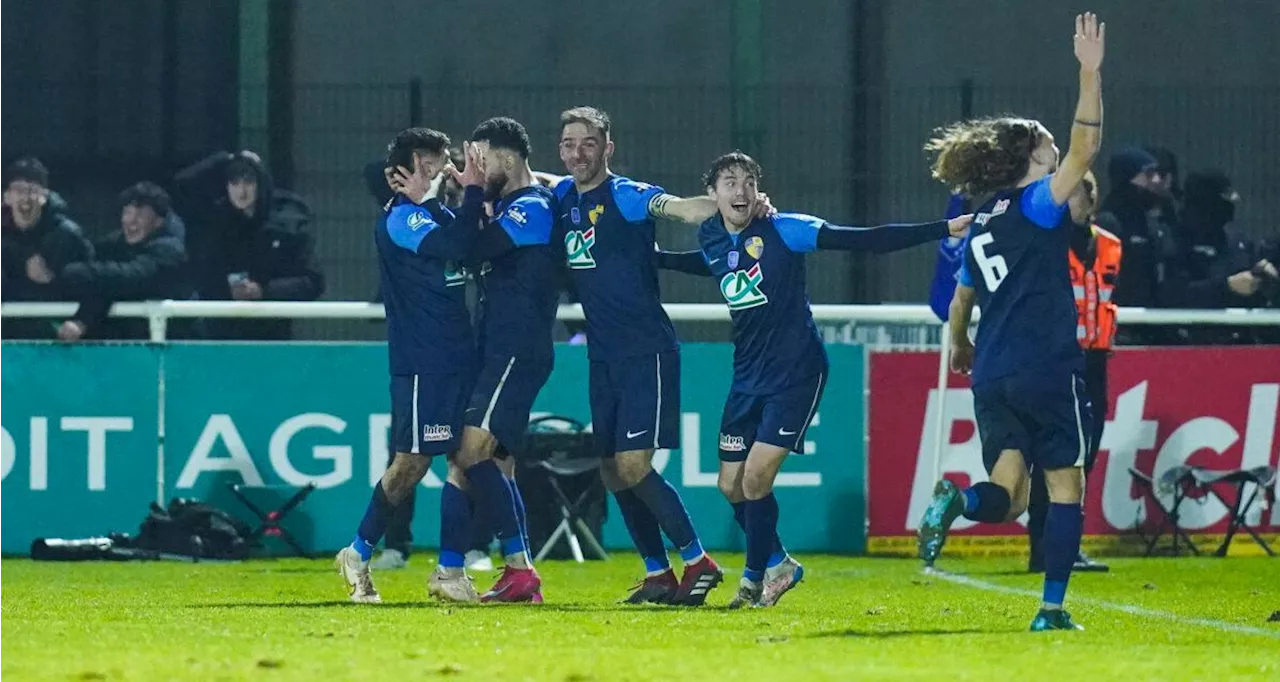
point(645, 534)
point(762, 529)
point(521, 519)
point(374, 524)
point(970, 500)
point(495, 506)
point(779, 553)
point(455, 526)
point(1061, 547)
point(668, 509)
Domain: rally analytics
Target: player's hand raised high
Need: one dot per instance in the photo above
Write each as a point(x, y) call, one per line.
point(1090, 41)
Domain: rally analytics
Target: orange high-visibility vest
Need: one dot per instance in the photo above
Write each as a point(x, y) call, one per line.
point(1095, 312)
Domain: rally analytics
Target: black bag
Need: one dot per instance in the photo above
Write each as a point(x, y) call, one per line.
point(192, 528)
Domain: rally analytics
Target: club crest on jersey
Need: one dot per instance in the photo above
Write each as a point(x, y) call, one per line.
point(454, 275)
point(594, 214)
point(755, 247)
point(741, 288)
point(733, 443)
point(575, 215)
point(577, 245)
point(732, 259)
point(435, 433)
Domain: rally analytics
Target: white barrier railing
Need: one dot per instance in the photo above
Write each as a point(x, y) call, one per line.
point(160, 312)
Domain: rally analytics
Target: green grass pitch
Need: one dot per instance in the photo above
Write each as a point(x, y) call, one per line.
point(852, 619)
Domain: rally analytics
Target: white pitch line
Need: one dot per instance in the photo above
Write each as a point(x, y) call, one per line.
point(1114, 606)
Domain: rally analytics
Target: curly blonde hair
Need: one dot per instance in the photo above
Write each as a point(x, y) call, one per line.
point(983, 155)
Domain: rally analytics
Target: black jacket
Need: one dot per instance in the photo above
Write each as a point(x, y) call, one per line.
point(149, 270)
point(273, 246)
point(60, 241)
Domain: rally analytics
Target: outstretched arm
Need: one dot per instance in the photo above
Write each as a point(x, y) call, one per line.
point(1086, 130)
point(688, 262)
point(805, 233)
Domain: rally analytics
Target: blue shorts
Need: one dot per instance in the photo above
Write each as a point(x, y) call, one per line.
point(1043, 417)
point(635, 403)
point(426, 412)
point(779, 419)
point(503, 395)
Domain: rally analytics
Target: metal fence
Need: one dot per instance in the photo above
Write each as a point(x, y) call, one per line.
point(815, 159)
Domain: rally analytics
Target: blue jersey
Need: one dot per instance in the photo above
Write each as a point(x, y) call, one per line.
point(518, 281)
point(1016, 258)
point(608, 238)
point(424, 290)
point(762, 277)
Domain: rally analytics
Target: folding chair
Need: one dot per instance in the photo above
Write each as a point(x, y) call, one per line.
point(566, 455)
point(1181, 483)
point(270, 521)
point(1262, 478)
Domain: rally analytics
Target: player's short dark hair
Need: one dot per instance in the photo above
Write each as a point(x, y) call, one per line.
point(457, 158)
point(28, 169)
point(502, 132)
point(147, 194)
point(734, 159)
point(588, 116)
point(400, 151)
point(983, 155)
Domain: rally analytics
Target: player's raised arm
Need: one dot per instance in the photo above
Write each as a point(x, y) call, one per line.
point(695, 210)
point(804, 233)
point(425, 225)
point(1086, 129)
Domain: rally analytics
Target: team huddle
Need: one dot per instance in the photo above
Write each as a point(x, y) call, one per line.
point(465, 390)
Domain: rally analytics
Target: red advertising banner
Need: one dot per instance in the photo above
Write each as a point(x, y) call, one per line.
point(1209, 407)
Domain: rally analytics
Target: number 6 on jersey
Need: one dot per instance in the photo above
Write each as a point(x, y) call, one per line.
point(994, 268)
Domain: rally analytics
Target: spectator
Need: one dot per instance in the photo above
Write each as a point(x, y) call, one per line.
point(1129, 212)
point(1166, 185)
point(1219, 266)
point(142, 261)
point(39, 240)
point(247, 241)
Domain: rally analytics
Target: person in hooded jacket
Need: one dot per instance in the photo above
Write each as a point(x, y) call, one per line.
point(38, 240)
point(1131, 211)
point(1219, 266)
point(247, 241)
point(142, 261)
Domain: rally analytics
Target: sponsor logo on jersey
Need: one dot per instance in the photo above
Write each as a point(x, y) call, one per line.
point(741, 288)
point(518, 215)
point(755, 247)
point(732, 443)
point(434, 433)
point(577, 245)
